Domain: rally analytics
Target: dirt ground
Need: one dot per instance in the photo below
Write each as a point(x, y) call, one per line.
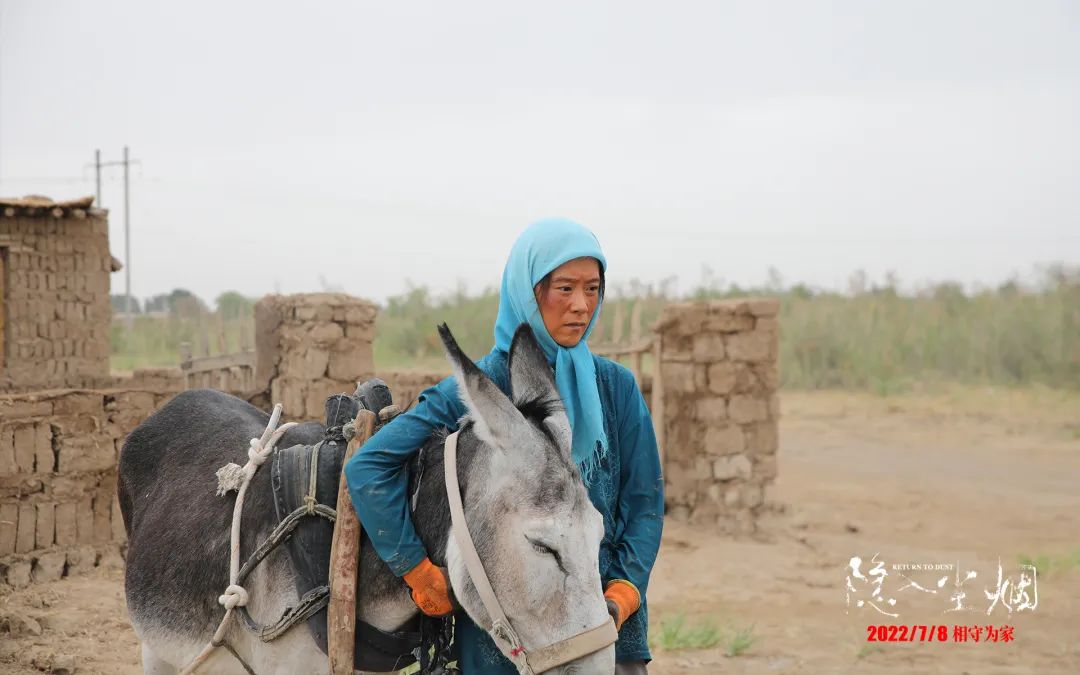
point(962, 476)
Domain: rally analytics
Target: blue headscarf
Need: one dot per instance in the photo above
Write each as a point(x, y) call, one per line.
point(541, 248)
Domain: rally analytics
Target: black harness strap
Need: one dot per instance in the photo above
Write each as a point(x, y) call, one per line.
point(313, 601)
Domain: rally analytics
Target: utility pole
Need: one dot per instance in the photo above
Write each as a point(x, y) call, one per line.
point(97, 174)
point(127, 243)
point(126, 163)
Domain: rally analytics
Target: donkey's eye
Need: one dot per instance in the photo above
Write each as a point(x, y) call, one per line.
point(543, 549)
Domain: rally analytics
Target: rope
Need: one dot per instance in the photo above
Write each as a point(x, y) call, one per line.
point(236, 595)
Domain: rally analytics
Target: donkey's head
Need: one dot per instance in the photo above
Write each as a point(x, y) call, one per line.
point(531, 520)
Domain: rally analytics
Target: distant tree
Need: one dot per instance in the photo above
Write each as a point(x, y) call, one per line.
point(233, 305)
point(157, 303)
point(119, 304)
point(180, 301)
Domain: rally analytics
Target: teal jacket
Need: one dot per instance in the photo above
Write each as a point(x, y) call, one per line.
point(628, 490)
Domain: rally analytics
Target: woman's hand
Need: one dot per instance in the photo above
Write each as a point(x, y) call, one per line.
point(623, 599)
point(430, 588)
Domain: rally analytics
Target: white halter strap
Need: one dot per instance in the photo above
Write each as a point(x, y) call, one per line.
point(506, 639)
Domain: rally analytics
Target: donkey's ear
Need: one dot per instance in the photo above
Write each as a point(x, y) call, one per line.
point(532, 384)
point(495, 418)
point(531, 377)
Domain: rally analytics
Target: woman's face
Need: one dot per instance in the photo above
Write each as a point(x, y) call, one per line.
point(571, 297)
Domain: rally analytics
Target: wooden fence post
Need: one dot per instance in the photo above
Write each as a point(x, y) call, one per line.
point(658, 394)
point(344, 560)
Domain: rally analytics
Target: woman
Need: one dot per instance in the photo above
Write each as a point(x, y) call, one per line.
point(554, 280)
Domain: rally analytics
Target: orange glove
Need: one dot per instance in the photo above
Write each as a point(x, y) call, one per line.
point(624, 598)
point(430, 588)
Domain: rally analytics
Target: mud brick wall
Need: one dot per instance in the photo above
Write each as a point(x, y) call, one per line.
point(721, 408)
point(55, 264)
point(58, 457)
point(310, 346)
point(406, 386)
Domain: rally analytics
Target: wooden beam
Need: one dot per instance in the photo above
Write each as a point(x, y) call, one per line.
point(344, 560)
point(205, 363)
point(658, 398)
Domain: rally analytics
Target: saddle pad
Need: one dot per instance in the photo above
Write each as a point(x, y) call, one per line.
point(309, 543)
point(309, 549)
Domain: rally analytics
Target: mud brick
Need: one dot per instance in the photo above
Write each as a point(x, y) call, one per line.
point(746, 380)
point(751, 347)
point(767, 325)
point(84, 521)
point(682, 440)
point(677, 348)
point(724, 439)
point(81, 560)
point(767, 374)
point(70, 488)
point(23, 408)
point(102, 525)
point(8, 465)
point(746, 409)
point(683, 320)
point(354, 364)
point(17, 574)
point(325, 334)
point(44, 459)
point(728, 323)
point(24, 447)
point(49, 567)
point(763, 307)
point(711, 409)
point(131, 401)
point(289, 392)
point(46, 525)
point(360, 314)
point(708, 347)
point(9, 522)
point(117, 521)
point(705, 513)
point(66, 525)
point(684, 377)
point(764, 468)
point(27, 530)
point(732, 497)
point(86, 454)
point(732, 466)
point(722, 377)
point(752, 495)
point(360, 332)
point(761, 438)
point(79, 403)
point(309, 364)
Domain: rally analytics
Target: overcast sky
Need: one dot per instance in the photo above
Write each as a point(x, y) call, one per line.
point(291, 146)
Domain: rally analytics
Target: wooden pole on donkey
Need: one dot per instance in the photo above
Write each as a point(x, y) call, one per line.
point(344, 559)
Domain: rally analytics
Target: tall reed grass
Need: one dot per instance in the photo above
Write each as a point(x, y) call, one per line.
point(874, 337)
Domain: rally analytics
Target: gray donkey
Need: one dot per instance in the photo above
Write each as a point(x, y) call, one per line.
point(519, 487)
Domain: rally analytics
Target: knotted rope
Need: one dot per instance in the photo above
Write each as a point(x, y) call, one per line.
point(234, 477)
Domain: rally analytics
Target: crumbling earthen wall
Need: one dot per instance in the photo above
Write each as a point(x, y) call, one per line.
point(721, 408)
point(58, 456)
point(54, 294)
point(406, 386)
point(310, 346)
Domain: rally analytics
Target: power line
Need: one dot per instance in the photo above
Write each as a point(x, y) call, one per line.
point(126, 162)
